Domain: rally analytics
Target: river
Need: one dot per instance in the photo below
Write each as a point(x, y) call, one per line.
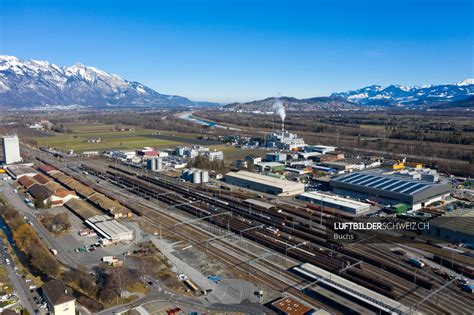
point(7, 232)
point(189, 116)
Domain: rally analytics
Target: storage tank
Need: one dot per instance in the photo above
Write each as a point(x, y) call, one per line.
point(151, 164)
point(159, 164)
point(204, 176)
point(197, 177)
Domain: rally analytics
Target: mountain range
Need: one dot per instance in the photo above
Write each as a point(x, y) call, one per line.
point(38, 84)
point(445, 96)
point(295, 104)
point(31, 83)
point(398, 95)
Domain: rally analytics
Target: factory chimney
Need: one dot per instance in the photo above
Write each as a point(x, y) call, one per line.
point(282, 130)
point(279, 108)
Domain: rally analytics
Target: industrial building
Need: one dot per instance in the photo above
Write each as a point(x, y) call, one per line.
point(275, 157)
point(56, 197)
point(82, 209)
point(390, 189)
point(335, 202)
point(454, 227)
point(19, 170)
point(11, 149)
point(322, 149)
point(269, 166)
point(284, 140)
point(264, 183)
point(215, 155)
point(110, 230)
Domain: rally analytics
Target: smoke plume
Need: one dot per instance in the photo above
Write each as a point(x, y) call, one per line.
point(279, 109)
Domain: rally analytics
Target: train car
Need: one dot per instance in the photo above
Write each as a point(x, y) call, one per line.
point(190, 285)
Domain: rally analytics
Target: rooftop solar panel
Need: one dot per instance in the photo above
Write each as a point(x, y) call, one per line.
point(395, 185)
point(366, 180)
point(411, 189)
point(352, 176)
point(387, 183)
point(384, 182)
point(375, 180)
point(404, 186)
point(357, 181)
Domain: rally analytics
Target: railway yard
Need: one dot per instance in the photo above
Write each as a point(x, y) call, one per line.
point(284, 250)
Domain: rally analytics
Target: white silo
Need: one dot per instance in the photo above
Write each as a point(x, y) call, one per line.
point(151, 164)
point(197, 177)
point(159, 164)
point(204, 176)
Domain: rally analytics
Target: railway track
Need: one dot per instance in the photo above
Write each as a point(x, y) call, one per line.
point(288, 223)
point(237, 261)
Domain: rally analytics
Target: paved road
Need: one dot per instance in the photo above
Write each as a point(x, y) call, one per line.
point(178, 300)
point(20, 286)
point(14, 199)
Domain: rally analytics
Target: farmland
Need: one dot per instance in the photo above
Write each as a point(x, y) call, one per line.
point(131, 138)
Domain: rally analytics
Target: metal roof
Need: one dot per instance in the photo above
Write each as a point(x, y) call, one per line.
point(113, 228)
point(344, 202)
point(391, 186)
point(460, 220)
point(264, 179)
point(389, 183)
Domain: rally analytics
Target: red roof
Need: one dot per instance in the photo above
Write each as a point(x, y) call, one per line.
point(46, 168)
point(40, 178)
point(151, 153)
point(62, 193)
point(26, 181)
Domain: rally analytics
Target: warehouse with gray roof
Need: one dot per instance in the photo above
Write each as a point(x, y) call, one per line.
point(264, 183)
point(390, 189)
point(335, 202)
point(456, 226)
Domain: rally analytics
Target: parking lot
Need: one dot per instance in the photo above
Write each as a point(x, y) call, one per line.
point(76, 248)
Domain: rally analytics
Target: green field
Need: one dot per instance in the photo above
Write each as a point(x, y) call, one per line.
point(111, 139)
point(126, 140)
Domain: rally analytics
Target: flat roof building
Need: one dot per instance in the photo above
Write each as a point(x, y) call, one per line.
point(390, 189)
point(111, 230)
point(11, 149)
point(265, 184)
point(322, 149)
point(456, 226)
point(269, 166)
point(289, 306)
point(336, 202)
point(20, 170)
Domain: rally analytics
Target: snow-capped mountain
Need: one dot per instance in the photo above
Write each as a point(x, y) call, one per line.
point(32, 83)
point(410, 95)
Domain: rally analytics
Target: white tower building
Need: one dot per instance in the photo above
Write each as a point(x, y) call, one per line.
point(11, 149)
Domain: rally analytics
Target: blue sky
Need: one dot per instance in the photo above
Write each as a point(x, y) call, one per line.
point(240, 50)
